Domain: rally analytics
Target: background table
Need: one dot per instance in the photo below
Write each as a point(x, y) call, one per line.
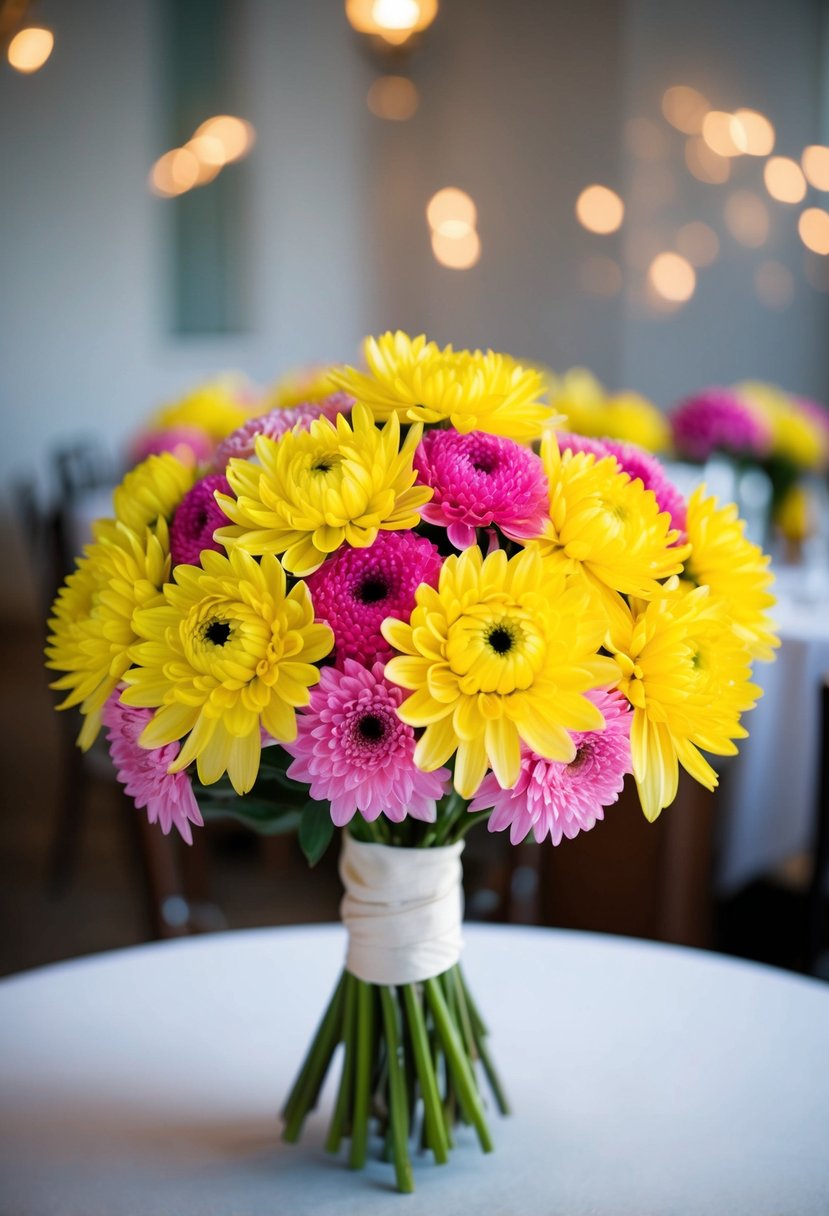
point(768, 796)
point(646, 1079)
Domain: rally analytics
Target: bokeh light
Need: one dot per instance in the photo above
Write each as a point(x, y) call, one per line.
point(774, 284)
point(30, 48)
point(600, 277)
point(758, 133)
point(393, 20)
point(599, 209)
point(784, 179)
point(704, 164)
point(815, 161)
point(747, 218)
point(672, 277)
point(394, 98)
point(451, 212)
point(698, 243)
point(234, 135)
point(458, 253)
point(174, 173)
point(813, 227)
point(724, 133)
point(684, 108)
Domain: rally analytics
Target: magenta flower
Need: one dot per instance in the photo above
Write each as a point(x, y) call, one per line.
point(555, 799)
point(196, 518)
point(638, 463)
point(241, 443)
point(570, 441)
point(168, 797)
point(189, 444)
point(480, 480)
point(356, 589)
point(717, 420)
point(353, 750)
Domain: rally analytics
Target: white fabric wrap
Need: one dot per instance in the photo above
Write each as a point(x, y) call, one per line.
point(403, 910)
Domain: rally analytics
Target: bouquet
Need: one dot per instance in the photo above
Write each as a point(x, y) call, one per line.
point(402, 610)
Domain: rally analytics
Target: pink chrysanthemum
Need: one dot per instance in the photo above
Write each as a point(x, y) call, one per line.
point(196, 518)
point(356, 589)
point(168, 797)
point(638, 463)
point(480, 480)
point(189, 444)
point(242, 443)
point(570, 441)
point(717, 420)
point(555, 799)
point(354, 752)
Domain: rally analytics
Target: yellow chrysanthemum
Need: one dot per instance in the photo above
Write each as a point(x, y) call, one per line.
point(227, 652)
point(795, 436)
point(91, 629)
point(153, 488)
point(418, 381)
point(736, 571)
point(295, 388)
point(217, 407)
point(797, 515)
point(606, 528)
point(321, 488)
point(626, 417)
point(687, 676)
point(501, 652)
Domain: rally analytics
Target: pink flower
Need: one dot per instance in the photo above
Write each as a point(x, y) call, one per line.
point(189, 444)
point(570, 441)
point(354, 752)
point(168, 797)
point(480, 480)
point(241, 443)
point(356, 589)
point(717, 420)
point(563, 799)
point(196, 518)
point(638, 463)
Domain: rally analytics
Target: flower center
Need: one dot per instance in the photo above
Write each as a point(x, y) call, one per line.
point(372, 590)
point(371, 728)
point(500, 639)
point(217, 632)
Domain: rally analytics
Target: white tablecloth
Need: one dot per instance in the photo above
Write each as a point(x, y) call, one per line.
point(646, 1079)
point(768, 796)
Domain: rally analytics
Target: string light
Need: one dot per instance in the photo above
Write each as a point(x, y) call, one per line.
point(672, 277)
point(599, 209)
point(784, 179)
point(30, 48)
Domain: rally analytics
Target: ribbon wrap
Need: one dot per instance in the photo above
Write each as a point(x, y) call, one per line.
point(403, 910)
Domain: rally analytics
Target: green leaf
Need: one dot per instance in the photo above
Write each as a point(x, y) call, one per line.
point(316, 829)
point(261, 817)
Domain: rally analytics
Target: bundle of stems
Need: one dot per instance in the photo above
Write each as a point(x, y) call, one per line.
point(412, 1055)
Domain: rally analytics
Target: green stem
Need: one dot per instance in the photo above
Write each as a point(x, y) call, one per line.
point(480, 1032)
point(398, 1102)
point(432, 1110)
point(305, 1092)
point(363, 1069)
point(343, 1105)
point(459, 1066)
point(469, 823)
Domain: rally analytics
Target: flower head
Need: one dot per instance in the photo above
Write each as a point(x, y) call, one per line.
point(356, 589)
point(736, 571)
point(218, 407)
point(417, 381)
point(641, 465)
point(353, 750)
point(569, 441)
point(687, 675)
point(189, 444)
point(796, 437)
point(625, 417)
point(555, 799)
point(227, 653)
point(242, 443)
point(502, 652)
point(92, 625)
point(479, 480)
point(168, 797)
point(717, 420)
point(302, 386)
point(321, 488)
point(152, 490)
point(605, 528)
point(197, 517)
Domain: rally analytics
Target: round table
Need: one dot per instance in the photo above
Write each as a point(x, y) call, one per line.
point(645, 1079)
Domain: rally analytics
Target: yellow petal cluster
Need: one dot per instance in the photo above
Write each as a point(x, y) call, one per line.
point(626, 417)
point(151, 490)
point(502, 652)
point(314, 490)
point(218, 407)
point(605, 528)
point(687, 676)
point(229, 650)
point(795, 437)
point(92, 622)
point(296, 388)
point(418, 381)
point(736, 571)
